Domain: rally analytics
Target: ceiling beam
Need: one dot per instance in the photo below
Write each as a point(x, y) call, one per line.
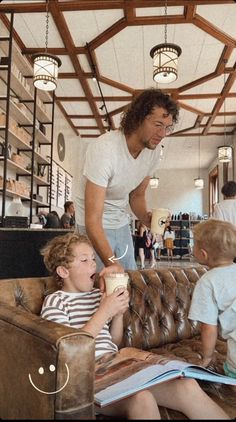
point(69, 44)
point(73, 5)
point(229, 83)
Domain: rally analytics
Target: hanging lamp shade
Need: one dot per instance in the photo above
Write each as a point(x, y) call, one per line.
point(225, 153)
point(165, 62)
point(199, 183)
point(154, 182)
point(46, 71)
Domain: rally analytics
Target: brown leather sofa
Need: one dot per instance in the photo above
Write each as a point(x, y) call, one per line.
point(156, 320)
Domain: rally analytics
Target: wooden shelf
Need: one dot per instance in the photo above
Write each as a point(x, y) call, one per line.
point(26, 106)
point(40, 181)
point(22, 119)
point(21, 171)
point(12, 194)
point(15, 140)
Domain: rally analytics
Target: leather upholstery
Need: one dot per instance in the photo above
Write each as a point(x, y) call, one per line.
point(156, 320)
point(28, 343)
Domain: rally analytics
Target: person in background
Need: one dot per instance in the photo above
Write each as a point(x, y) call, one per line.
point(52, 221)
point(117, 169)
point(226, 209)
point(71, 260)
point(169, 237)
point(68, 218)
point(144, 245)
point(214, 298)
point(158, 245)
point(150, 248)
point(141, 243)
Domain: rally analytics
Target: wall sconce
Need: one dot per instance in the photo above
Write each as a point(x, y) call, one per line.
point(46, 65)
point(165, 59)
point(154, 182)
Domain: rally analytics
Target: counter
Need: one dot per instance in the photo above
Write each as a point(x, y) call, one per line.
point(20, 251)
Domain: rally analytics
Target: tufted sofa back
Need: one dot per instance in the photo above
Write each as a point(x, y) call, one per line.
point(26, 293)
point(159, 303)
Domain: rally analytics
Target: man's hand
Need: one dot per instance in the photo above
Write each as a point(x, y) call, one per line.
point(147, 220)
point(114, 268)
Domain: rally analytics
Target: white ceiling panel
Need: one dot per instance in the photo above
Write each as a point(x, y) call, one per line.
point(69, 87)
point(222, 16)
point(32, 29)
point(88, 24)
point(77, 108)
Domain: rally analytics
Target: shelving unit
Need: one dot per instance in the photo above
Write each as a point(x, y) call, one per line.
point(182, 230)
point(26, 130)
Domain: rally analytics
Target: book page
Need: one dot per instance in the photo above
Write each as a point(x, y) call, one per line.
point(114, 367)
point(143, 379)
point(121, 374)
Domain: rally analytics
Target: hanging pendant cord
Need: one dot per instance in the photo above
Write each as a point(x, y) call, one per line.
point(165, 27)
point(225, 61)
point(199, 165)
point(47, 26)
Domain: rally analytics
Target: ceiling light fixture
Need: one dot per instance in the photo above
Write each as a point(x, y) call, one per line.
point(154, 182)
point(165, 59)
point(199, 182)
point(225, 151)
point(46, 65)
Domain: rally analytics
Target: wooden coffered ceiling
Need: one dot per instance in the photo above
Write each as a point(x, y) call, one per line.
point(112, 39)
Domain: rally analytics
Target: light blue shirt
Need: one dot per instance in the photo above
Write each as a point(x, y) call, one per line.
point(214, 302)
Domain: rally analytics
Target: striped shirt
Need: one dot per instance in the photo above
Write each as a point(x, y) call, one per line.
point(75, 310)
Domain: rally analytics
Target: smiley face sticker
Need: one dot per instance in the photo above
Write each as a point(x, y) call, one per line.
point(51, 369)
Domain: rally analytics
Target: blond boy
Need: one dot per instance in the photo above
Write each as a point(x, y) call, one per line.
point(71, 259)
point(214, 297)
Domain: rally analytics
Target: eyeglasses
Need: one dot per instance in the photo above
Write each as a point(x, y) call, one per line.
point(160, 127)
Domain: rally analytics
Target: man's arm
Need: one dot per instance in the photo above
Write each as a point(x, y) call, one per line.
point(138, 203)
point(94, 206)
point(208, 336)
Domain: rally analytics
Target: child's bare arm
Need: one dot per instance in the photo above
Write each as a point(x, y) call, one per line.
point(208, 336)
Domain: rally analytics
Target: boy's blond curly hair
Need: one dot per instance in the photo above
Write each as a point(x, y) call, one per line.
point(59, 251)
point(217, 238)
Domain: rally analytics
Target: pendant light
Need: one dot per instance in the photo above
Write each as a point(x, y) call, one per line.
point(165, 59)
point(225, 151)
point(154, 182)
point(199, 182)
point(46, 65)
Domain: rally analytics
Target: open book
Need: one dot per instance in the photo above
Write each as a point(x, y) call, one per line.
point(124, 375)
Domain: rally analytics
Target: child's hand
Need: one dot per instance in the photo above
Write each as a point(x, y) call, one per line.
point(116, 303)
point(206, 361)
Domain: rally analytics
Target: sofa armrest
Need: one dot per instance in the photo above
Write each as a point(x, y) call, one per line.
point(29, 342)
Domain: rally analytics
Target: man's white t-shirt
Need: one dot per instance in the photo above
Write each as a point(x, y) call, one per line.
point(108, 163)
point(226, 210)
